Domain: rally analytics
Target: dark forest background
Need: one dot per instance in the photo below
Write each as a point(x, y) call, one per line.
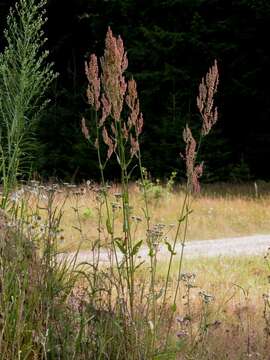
point(170, 44)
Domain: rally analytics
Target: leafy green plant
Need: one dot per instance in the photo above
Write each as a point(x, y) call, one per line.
point(154, 189)
point(25, 76)
point(171, 182)
point(87, 213)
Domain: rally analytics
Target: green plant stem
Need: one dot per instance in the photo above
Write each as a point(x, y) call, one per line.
point(172, 253)
point(179, 266)
point(129, 257)
point(101, 168)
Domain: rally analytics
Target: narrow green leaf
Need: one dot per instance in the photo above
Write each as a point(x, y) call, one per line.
point(136, 248)
point(185, 216)
point(139, 265)
point(151, 252)
point(121, 246)
point(108, 226)
point(169, 246)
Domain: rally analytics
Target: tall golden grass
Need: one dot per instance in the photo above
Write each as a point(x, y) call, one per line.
point(221, 210)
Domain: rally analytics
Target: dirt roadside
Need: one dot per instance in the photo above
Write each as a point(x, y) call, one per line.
point(236, 246)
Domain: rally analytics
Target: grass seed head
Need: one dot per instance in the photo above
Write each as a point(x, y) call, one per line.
point(93, 90)
point(113, 64)
point(205, 99)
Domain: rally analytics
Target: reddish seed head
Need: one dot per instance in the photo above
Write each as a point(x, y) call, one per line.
point(125, 131)
point(106, 109)
point(139, 124)
point(132, 95)
point(85, 130)
point(193, 172)
point(114, 91)
point(205, 99)
point(205, 103)
point(108, 141)
point(135, 118)
point(122, 53)
point(93, 90)
point(197, 173)
point(114, 63)
point(190, 150)
point(134, 146)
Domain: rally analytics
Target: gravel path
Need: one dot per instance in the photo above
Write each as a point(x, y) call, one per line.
point(236, 246)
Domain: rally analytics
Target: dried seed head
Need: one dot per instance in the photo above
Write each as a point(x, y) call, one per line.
point(85, 130)
point(108, 141)
point(114, 63)
point(125, 131)
point(193, 172)
point(135, 118)
point(134, 146)
point(206, 298)
point(197, 173)
point(122, 53)
point(190, 151)
point(93, 90)
point(205, 99)
point(115, 91)
point(132, 95)
point(106, 109)
point(139, 124)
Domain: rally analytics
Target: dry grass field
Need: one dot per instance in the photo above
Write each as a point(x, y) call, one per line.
point(205, 309)
point(232, 322)
point(221, 210)
point(223, 301)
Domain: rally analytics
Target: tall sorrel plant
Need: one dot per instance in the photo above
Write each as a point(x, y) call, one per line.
point(24, 79)
point(118, 125)
point(108, 94)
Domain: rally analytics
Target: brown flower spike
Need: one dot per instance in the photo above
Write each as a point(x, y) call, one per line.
point(93, 90)
point(205, 99)
point(108, 141)
point(135, 118)
point(193, 172)
point(109, 93)
point(205, 103)
point(85, 130)
point(113, 64)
